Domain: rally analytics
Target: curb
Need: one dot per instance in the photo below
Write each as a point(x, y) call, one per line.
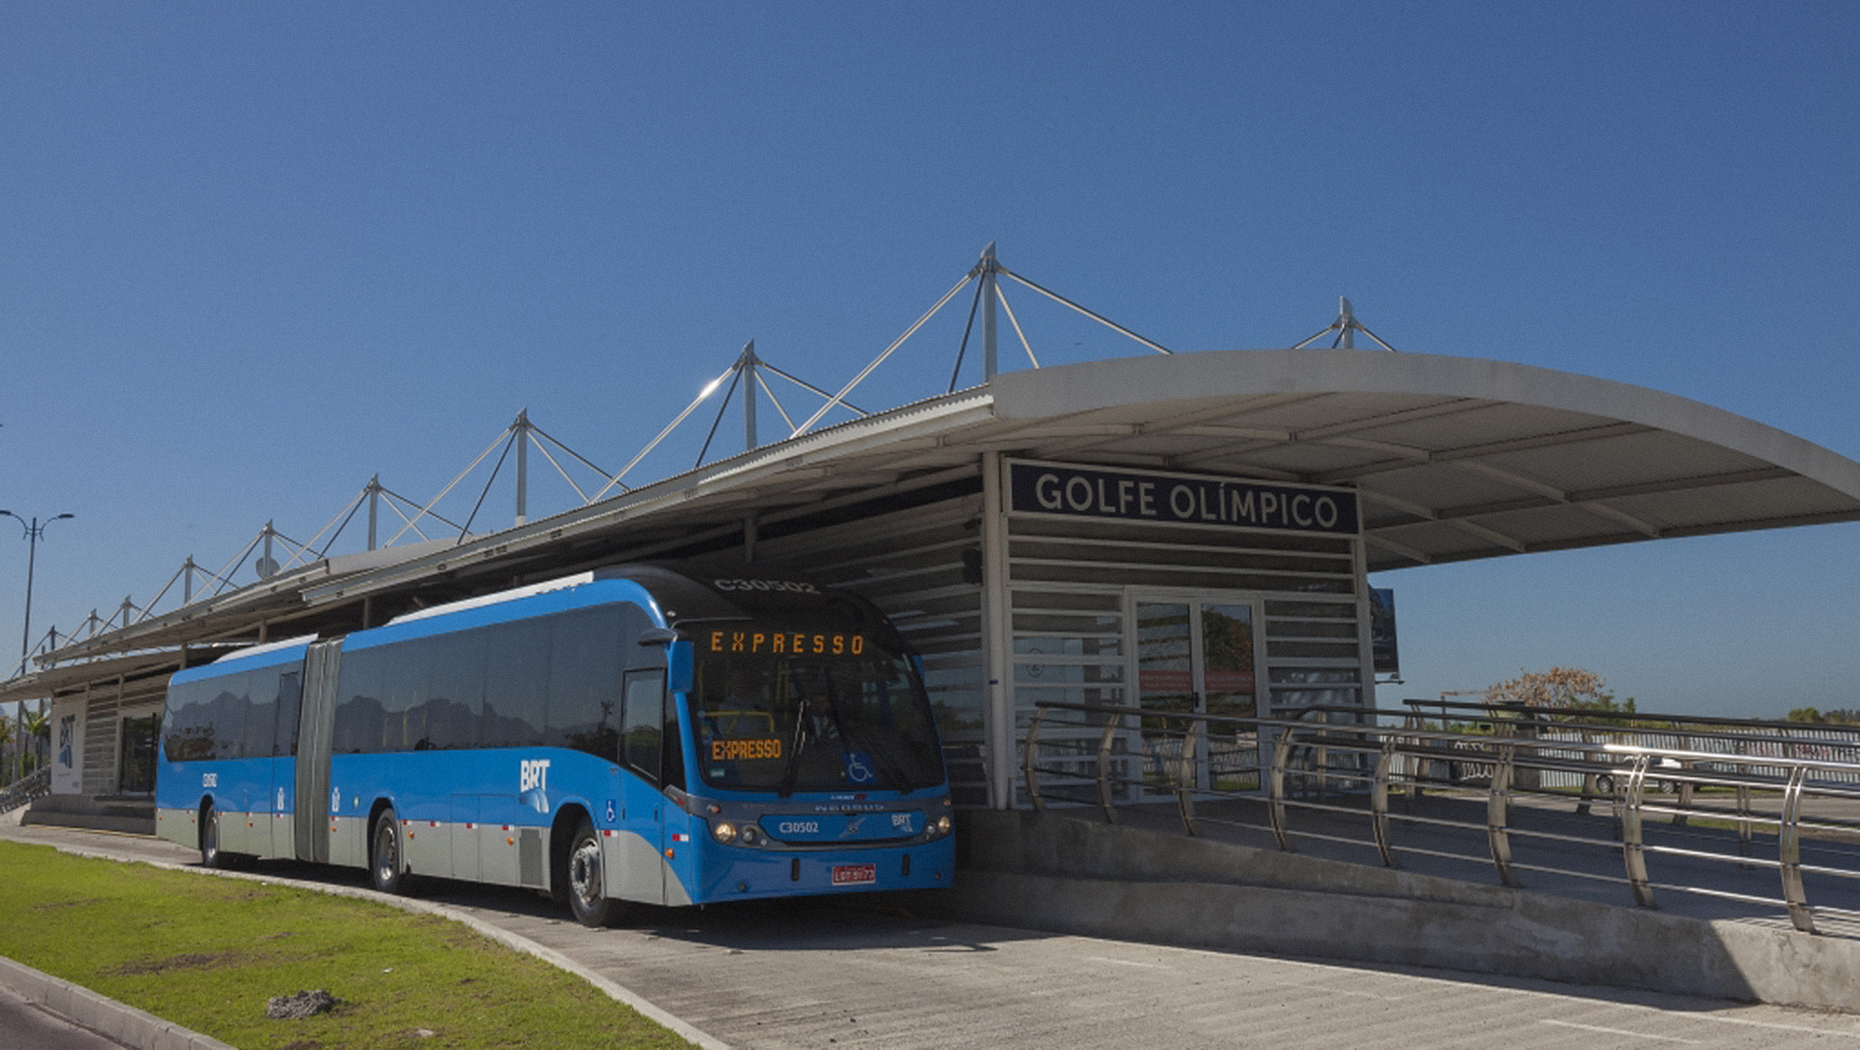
point(106, 1016)
point(612, 988)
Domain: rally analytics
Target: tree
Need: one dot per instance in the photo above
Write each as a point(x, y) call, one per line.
point(39, 733)
point(1839, 716)
point(1560, 688)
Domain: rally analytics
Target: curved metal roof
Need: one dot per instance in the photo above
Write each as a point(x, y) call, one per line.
point(1456, 458)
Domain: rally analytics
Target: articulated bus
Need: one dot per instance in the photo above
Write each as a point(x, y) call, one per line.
point(642, 733)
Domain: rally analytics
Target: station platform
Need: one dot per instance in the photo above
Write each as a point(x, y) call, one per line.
point(1231, 888)
point(1419, 843)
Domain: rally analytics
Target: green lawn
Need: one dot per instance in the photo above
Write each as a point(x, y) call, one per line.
point(207, 952)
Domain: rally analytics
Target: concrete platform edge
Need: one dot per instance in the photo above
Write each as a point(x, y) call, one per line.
point(613, 989)
point(119, 1021)
point(91, 822)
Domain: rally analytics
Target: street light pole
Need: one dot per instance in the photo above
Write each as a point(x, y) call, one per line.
point(33, 530)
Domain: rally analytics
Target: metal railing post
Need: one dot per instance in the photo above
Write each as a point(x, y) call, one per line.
point(1631, 852)
point(1275, 789)
point(1789, 852)
point(1185, 773)
point(1027, 760)
point(1419, 764)
point(1320, 760)
point(1496, 817)
point(1589, 785)
point(1743, 804)
point(1685, 786)
point(1379, 802)
point(1105, 800)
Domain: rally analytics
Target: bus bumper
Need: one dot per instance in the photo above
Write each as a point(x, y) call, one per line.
point(726, 873)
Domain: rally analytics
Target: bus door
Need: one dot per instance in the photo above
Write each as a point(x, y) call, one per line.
point(636, 858)
point(315, 724)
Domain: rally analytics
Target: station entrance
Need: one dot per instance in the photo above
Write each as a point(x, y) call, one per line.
point(1197, 652)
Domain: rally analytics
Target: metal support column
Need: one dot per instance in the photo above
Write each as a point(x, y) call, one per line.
point(749, 397)
point(374, 508)
point(999, 696)
point(521, 435)
point(990, 270)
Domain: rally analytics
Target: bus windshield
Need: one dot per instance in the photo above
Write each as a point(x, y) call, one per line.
point(791, 709)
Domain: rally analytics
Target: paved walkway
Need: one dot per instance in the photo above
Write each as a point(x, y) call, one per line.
point(803, 973)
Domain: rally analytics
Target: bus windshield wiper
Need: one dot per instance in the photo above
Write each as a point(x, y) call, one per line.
point(801, 714)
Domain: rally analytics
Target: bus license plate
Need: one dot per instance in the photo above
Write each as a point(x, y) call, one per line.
point(854, 874)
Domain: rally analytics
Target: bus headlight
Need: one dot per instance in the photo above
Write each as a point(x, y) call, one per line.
point(750, 835)
point(723, 831)
point(940, 826)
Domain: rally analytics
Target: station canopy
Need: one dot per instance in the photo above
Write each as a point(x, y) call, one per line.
point(1455, 459)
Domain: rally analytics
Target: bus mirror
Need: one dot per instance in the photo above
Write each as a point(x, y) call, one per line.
point(679, 657)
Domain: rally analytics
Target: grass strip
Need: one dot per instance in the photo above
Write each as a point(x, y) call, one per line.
point(208, 952)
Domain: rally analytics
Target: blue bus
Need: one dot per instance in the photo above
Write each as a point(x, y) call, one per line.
point(642, 733)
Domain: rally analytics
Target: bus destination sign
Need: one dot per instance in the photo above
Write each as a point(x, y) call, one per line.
point(1131, 495)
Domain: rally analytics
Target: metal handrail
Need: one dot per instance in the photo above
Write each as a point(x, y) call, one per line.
point(33, 785)
point(1390, 759)
point(1633, 716)
point(1782, 734)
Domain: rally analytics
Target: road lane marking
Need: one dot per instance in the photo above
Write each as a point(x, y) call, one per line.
point(1127, 962)
point(1753, 1024)
point(1328, 990)
point(1615, 1031)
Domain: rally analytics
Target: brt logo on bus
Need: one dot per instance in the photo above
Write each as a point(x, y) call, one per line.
point(533, 783)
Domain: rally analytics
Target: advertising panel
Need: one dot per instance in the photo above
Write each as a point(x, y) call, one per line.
point(1382, 631)
point(68, 747)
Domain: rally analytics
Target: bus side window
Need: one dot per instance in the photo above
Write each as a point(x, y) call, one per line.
point(290, 695)
point(641, 733)
point(261, 718)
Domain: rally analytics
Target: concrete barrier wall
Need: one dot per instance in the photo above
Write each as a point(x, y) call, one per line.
point(135, 816)
point(1051, 872)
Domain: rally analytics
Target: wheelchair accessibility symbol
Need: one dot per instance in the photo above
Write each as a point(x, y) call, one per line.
point(611, 809)
point(859, 767)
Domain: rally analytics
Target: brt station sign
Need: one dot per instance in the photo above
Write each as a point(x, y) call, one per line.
point(1054, 488)
point(1030, 536)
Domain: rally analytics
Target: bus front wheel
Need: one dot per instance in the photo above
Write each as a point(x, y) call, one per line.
point(384, 861)
point(587, 893)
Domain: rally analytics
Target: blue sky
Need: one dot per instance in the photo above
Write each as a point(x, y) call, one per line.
point(251, 254)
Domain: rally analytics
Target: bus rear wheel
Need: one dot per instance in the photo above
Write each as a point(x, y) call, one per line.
point(210, 855)
point(384, 861)
point(587, 891)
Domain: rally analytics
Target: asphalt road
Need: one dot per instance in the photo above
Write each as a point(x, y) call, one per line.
point(24, 1026)
point(815, 974)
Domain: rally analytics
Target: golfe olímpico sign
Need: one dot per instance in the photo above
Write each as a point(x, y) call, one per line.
point(1131, 495)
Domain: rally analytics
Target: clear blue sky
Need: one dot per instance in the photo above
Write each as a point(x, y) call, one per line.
point(252, 253)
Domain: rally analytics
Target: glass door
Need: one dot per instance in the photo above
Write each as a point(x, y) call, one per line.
point(1197, 653)
point(1226, 654)
point(1165, 683)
